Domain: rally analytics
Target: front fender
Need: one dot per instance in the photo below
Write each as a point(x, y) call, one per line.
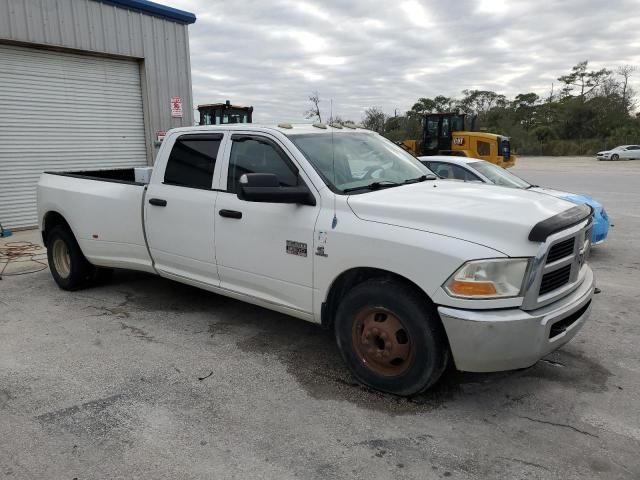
point(425, 259)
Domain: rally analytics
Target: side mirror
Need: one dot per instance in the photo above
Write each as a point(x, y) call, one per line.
point(265, 187)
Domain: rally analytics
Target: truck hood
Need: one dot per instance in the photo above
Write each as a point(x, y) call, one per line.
point(496, 217)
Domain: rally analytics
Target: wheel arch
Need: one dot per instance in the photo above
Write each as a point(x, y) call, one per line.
point(51, 220)
point(354, 276)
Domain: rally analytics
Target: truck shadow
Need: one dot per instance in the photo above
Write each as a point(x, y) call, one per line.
point(310, 354)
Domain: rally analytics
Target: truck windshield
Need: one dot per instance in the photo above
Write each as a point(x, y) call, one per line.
point(359, 161)
point(498, 175)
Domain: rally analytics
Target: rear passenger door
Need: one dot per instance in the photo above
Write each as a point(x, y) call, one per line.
point(179, 210)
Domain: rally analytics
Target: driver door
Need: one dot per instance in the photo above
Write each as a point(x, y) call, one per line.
point(632, 152)
point(264, 250)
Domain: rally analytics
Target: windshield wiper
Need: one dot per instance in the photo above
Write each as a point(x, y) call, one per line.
point(531, 186)
point(389, 183)
point(422, 178)
point(373, 186)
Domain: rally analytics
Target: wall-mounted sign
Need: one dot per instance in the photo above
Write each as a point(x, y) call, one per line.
point(176, 107)
point(160, 135)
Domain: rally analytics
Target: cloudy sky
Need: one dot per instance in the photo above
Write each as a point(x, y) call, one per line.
point(272, 53)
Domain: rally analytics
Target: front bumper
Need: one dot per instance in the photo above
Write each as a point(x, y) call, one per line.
point(495, 340)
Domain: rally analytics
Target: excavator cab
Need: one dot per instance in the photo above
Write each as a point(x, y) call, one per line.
point(224, 113)
point(438, 131)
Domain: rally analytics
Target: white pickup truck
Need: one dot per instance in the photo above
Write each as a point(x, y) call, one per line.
point(340, 227)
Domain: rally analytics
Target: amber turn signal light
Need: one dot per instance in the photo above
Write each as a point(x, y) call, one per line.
point(472, 289)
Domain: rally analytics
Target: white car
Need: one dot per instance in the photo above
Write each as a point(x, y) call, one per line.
point(623, 152)
point(340, 227)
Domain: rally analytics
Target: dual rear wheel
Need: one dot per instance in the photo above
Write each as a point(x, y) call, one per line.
point(69, 267)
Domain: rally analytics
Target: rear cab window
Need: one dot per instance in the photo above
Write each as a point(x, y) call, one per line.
point(192, 161)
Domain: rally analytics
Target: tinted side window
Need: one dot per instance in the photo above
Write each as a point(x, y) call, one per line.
point(450, 171)
point(192, 161)
point(443, 170)
point(484, 148)
point(460, 173)
point(253, 155)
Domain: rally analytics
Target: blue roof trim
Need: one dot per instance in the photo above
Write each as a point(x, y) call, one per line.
point(155, 9)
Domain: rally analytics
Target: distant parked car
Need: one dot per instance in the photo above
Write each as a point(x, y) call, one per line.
point(623, 152)
point(474, 170)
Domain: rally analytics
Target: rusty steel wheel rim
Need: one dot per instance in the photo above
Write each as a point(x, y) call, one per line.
point(382, 342)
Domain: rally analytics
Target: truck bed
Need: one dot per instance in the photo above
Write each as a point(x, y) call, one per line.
point(104, 209)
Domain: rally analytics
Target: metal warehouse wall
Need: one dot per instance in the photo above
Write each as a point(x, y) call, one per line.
point(91, 26)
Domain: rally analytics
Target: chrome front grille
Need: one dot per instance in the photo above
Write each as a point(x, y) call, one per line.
point(555, 279)
point(556, 269)
point(561, 250)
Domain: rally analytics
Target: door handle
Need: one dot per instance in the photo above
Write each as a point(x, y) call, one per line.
point(158, 202)
point(230, 214)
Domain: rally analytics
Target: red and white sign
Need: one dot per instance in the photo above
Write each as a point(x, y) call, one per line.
point(160, 135)
point(176, 107)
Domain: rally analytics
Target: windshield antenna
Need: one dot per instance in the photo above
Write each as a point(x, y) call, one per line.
point(334, 222)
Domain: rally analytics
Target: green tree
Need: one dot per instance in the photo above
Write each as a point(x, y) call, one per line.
point(525, 107)
point(374, 119)
point(586, 81)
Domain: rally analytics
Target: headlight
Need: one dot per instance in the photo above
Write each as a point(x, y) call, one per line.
point(494, 278)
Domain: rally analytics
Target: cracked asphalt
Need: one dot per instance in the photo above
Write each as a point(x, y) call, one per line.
point(146, 378)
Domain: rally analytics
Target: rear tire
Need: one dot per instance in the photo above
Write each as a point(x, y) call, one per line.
point(69, 267)
point(391, 338)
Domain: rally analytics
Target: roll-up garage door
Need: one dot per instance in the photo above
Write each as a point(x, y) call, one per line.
point(62, 111)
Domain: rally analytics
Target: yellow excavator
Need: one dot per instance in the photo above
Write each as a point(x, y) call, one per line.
point(445, 134)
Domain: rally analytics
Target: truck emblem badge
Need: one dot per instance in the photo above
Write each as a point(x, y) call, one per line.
point(296, 248)
point(321, 244)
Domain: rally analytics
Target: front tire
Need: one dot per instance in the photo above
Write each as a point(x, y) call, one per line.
point(615, 157)
point(69, 267)
point(391, 338)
